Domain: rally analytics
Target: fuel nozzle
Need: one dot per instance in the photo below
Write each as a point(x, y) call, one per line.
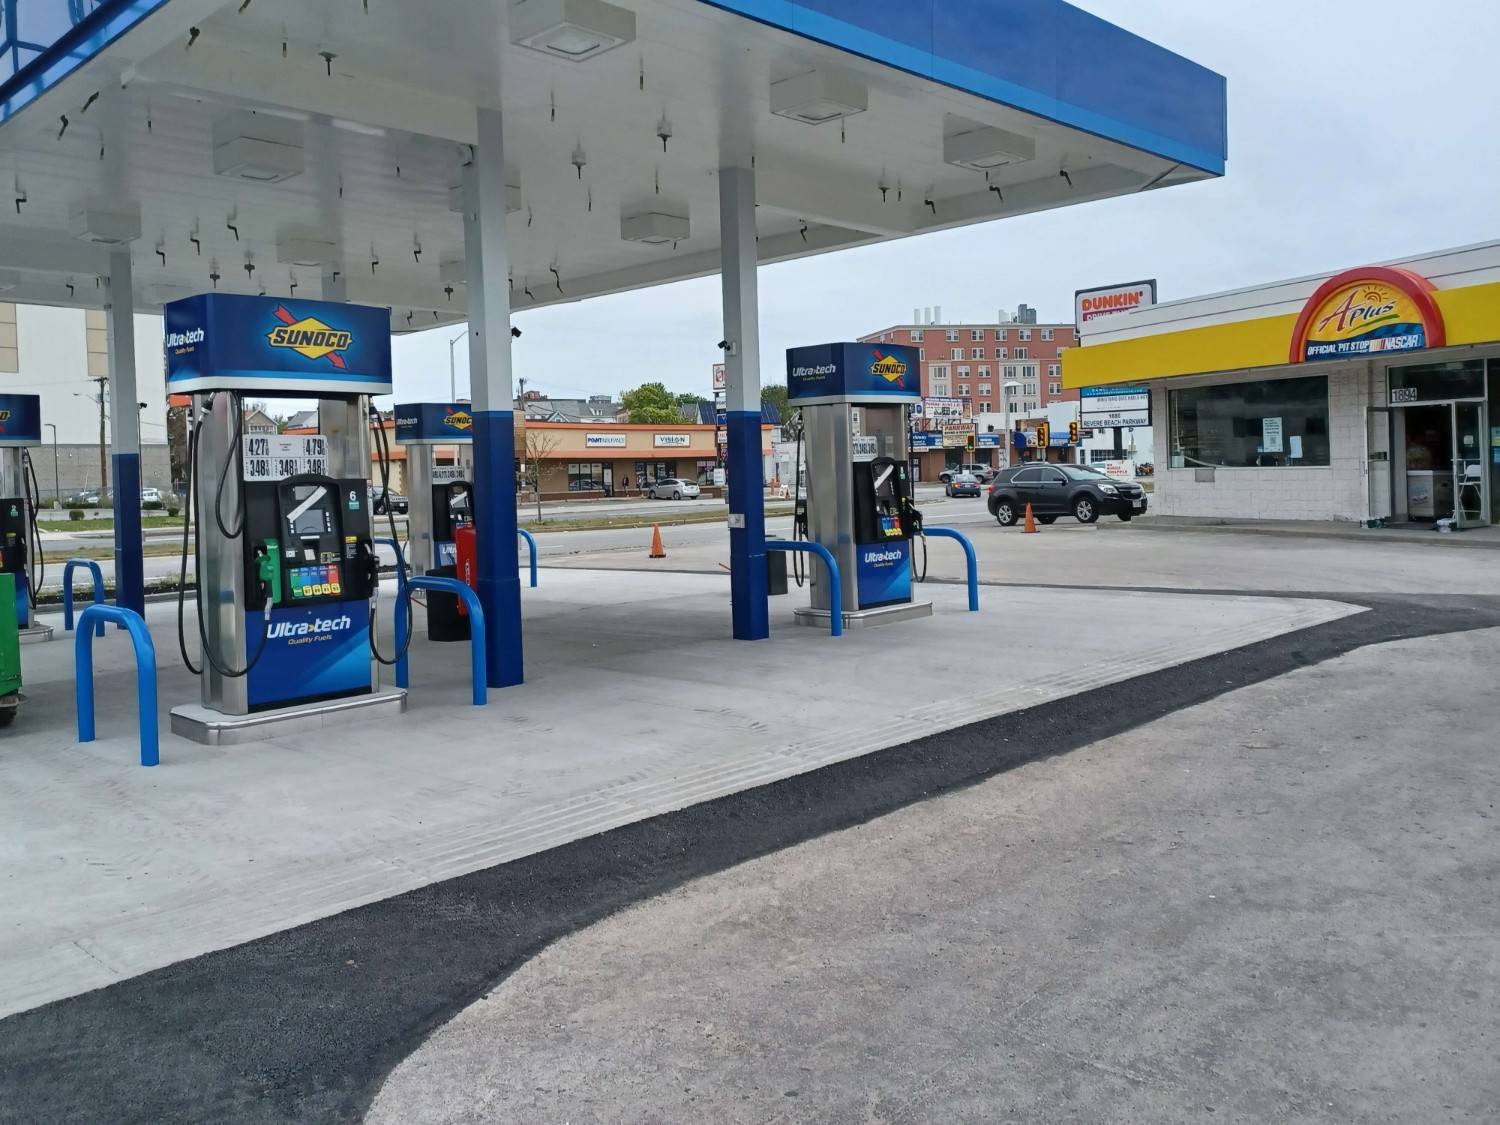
point(268, 571)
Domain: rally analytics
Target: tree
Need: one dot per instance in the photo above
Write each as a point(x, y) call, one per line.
point(688, 399)
point(651, 404)
point(538, 444)
point(774, 394)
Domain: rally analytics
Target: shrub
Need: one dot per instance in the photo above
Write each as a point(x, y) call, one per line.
point(152, 505)
point(75, 513)
point(174, 509)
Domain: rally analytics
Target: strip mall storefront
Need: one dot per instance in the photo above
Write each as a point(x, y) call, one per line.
point(583, 459)
point(1367, 395)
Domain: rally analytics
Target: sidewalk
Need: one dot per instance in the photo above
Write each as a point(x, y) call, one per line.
point(1486, 538)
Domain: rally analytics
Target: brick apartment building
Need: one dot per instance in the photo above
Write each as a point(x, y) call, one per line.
point(973, 361)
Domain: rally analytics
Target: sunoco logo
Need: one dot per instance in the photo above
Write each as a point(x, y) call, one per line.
point(459, 420)
point(310, 337)
point(185, 339)
point(283, 629)
point(889, 368)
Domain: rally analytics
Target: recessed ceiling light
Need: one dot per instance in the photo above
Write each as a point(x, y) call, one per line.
point(819, 96)
point(985, 149)
point(570, 29)
point(259, 147)
point(105, 226)
point(653, 228)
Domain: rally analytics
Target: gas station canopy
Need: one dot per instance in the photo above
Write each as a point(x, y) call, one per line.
point(270, 145)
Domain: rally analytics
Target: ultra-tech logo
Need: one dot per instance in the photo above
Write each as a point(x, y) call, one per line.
point(814, 372)
point(280, 630)
point(889, 368)
point(310, 337)
point(459, 420)
point(888, 555)
point(190, 338)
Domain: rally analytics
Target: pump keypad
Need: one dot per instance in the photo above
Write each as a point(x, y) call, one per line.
point(315, 581)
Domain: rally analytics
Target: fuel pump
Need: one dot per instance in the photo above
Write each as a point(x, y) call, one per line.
point(441, 518)
point(286, 568)
point(854, 401)
point(20, 540)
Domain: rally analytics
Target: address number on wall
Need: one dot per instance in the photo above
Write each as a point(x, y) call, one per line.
point(1403, 394)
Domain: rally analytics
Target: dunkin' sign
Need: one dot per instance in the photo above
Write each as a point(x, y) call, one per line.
point(1090, 304)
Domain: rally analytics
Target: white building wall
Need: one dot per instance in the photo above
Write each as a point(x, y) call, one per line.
point(1339, 491)
point(53, 357)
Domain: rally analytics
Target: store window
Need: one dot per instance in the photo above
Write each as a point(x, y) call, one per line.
point(585, 475)
point(649, 471)
point(1437, 382)
point(1269, 424)
point(706, 471)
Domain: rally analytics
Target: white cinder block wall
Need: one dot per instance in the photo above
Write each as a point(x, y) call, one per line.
point(1338, 492)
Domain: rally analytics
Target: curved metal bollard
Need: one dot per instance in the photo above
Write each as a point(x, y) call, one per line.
point(145, 674)
point(476, 629)
point(949, 533)
point(98, 576)
point(531, 543)
point(836, 597)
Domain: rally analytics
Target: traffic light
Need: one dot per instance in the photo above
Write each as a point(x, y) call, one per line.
point(969, 443)
point(1073, 433)
point(1043, 436)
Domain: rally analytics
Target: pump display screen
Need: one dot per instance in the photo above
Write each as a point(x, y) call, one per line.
point(309, 517)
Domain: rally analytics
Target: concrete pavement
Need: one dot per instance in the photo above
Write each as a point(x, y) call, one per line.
point(304, 1024)
point(1276, 906)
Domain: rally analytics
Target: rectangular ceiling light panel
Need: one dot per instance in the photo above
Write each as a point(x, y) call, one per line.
point(575, 30)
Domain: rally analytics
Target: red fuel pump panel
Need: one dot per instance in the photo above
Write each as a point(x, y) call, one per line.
point(466, 560)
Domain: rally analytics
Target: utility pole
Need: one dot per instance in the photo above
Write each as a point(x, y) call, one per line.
point(103, 442)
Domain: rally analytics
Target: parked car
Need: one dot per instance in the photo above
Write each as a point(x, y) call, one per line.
point(963, 484)
point(151, 496)
point(585, 486)
point(673, 488)
point(381, 502)
point(1060, 490)
point(983, 473)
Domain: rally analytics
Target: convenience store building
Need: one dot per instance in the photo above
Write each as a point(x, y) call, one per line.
point(1372, 394)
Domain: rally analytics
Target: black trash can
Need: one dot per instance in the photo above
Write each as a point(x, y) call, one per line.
point(776, 572)
point(444, 622)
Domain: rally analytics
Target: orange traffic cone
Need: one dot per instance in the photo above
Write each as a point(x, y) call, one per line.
point(1029, 528)
point(657, 550)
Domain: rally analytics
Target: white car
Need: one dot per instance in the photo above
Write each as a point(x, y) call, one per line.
point(151, 496)
point(673, 488)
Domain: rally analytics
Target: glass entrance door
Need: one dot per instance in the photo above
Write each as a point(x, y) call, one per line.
point(1471, 502)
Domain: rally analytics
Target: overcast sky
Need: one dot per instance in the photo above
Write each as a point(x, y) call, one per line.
point(1358, 132)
